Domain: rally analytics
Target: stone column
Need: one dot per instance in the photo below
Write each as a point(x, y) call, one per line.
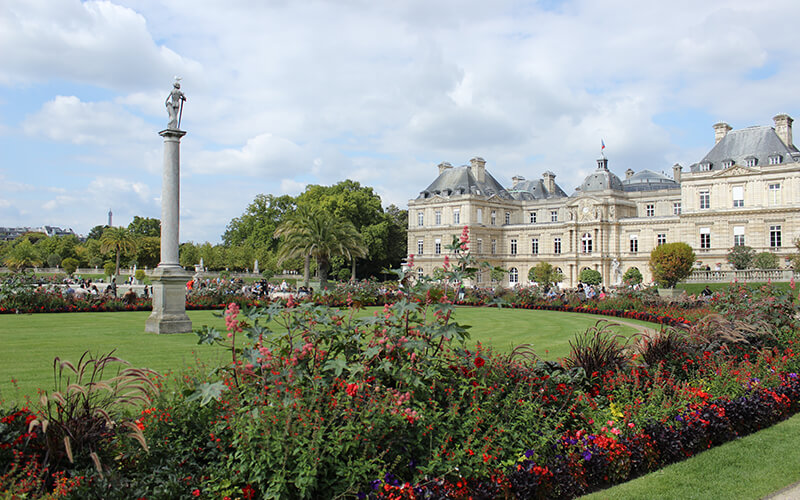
point(169, 278)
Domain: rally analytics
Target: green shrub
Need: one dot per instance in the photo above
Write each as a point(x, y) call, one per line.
point(590, 277)
point(741, 256)
point(670, 263)
point(545, 274)
point(109, 268)
point(53, 260)
point(70, 265)
point(765, 260)
point(139, 274)
point(632, 276)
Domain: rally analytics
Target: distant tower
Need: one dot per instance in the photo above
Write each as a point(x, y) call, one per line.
point(109, 217)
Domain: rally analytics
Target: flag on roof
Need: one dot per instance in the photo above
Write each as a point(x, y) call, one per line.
point(602, 145)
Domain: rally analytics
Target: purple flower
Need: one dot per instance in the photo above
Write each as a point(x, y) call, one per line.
point(587, 455)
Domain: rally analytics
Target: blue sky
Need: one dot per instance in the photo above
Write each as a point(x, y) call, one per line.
point(282, 94)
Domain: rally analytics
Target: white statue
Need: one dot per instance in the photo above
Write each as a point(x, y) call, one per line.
point(615, 271)
point(174, 104)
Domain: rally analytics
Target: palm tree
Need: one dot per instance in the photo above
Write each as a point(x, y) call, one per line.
point(320, 235)
point(118, 240)
point(23, 255)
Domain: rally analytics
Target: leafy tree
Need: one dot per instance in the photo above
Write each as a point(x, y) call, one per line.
point(765, 260)
point(96, 232)
point(118, 240)
point(545, 274)
point(110, 269)
point(322, 236)
point(145, 226)
point(632, 276)
point(590, 277)
point(189, 255)
point(70, 265)
point(53, 260)
point(670, 263)
point(256, 227)
point(741, 256)
point(148, 251)
point(23, 255)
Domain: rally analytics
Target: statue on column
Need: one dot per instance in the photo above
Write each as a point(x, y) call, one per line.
point(174, 104)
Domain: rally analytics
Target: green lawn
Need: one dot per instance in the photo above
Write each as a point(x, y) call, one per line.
point(32, 341)
point(749, 468)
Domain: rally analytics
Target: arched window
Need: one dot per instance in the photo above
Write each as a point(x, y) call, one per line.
point(513, 276)
point(420, 273)
point(586, 243)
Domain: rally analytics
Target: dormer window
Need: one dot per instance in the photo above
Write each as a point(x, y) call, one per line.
point(705, 166)
point(775, 160)
point(751, 161)
point(727, 164)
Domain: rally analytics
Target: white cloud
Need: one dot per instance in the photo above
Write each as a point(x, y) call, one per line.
point(264, 154)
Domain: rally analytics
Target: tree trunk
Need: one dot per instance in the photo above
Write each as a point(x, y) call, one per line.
point(353, 273)
point(322, 269)
point(306, 270)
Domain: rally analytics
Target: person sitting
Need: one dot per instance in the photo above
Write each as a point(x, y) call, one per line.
point(129, 297)
point(707, 293)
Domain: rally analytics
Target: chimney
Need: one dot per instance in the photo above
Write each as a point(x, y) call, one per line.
point(516, 180)
point(783, 127)
point(477, 166)
point(549, 181)
point(602, 163)
point(676, 172)
point(444, 166)
point(721, 129)
point(628, 173)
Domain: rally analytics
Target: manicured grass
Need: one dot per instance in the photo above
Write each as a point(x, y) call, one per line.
point(32, 341)
point(748, 468)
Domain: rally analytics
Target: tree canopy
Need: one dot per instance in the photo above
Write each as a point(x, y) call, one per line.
point(670, 263)
point(145, 226)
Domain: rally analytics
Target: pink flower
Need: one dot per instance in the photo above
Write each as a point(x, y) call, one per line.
point(446, 262)
point(230, 318)
point(411, 260)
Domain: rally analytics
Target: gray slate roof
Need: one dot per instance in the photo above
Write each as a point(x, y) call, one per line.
point(535, 190)
point(459, 180)
point(600, 180)
point(759, 142)
point(647, 180)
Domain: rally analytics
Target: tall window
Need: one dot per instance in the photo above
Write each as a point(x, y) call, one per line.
point(420, 245)
point(494, 247)
point(437, 246)
point(456, 216)
point(705, 238)
point(738, 196)
point(533, 217)
point(513, 276)
point(438, 217)
point(650, 209)
point(556, 246)
point(479, 277)
point(535, 246)
point(634, 243)
point(553, 215)
point(513, 246)
point(774, 236)
point(420, 273)
point(420, 218)
point(494, 217)
point(480, 246)
point(661, 239)
point(775, 194)
point(480, 216)
point(738, 236)
point(676, 208)
point(705, 200)
point(586, 243)
point(508, 218)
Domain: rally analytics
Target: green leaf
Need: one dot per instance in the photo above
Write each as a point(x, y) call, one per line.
point(205, 392)
point(337, 365)
point(208, 335)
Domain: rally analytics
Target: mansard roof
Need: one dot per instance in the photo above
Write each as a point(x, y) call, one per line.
point(535, 190)
point(760, 142)
point(460, 180)
point(601, 179)
point(647, 180)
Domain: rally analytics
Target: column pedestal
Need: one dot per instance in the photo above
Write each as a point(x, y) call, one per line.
point(169, 301)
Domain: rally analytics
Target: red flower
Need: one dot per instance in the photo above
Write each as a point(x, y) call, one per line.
point(479, 362)
point(195, 492)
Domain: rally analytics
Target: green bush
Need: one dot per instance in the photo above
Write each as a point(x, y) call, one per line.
point(139, 274)
point(53, 260)
point(545, 274)
point(670, 263)
point(741, 256)
point(109, 268)
point(70, 265)
point(765, 260)
point(590, 277)
point(632, 276)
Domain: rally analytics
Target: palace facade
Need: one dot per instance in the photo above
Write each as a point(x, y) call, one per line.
point(745, 191)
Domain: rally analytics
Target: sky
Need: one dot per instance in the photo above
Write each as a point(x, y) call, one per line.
point(285, 93)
